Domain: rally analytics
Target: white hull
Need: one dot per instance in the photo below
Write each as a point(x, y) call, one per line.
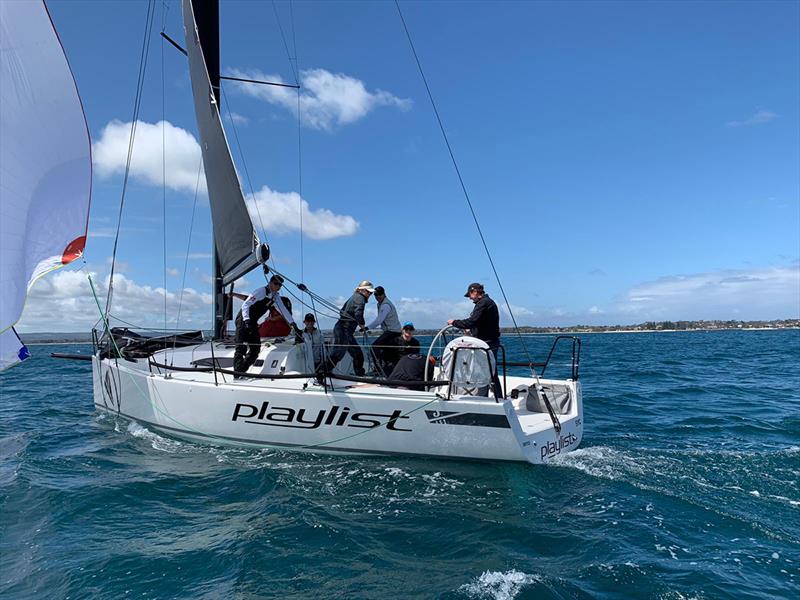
point(352, 418)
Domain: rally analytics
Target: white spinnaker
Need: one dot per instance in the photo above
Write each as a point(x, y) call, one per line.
point(12, 350)
point(45, 156)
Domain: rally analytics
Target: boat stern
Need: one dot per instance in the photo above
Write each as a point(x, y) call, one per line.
point(541, 435)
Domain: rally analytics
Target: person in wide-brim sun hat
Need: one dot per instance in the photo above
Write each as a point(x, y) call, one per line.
point(366, 285)
point(351, 316)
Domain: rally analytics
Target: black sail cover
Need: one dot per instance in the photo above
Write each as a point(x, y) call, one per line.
point(234, 236)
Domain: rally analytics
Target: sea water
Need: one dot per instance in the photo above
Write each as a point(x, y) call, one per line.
point(686, 485)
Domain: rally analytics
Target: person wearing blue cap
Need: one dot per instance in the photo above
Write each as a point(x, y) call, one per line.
point(405, 345)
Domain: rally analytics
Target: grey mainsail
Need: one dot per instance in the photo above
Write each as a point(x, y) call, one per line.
point(234, 237)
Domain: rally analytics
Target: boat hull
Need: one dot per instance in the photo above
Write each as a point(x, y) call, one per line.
point(301, 415)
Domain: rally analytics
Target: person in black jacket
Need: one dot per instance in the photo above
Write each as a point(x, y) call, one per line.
point(483, 323)
point(351, 316)
point(255, 306)
point(403, 345)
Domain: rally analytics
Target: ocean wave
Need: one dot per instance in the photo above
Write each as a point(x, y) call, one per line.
point(499, 586)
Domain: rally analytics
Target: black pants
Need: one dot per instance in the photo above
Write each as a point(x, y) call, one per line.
point(385, 351)
point(494, 346)
point(248, 344)
point(344, 342)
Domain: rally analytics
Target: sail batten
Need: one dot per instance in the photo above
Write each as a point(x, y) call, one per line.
point(234, 236)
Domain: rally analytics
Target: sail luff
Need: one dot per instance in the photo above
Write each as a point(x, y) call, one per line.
point(234, 237)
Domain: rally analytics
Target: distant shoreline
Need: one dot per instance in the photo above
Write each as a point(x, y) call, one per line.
point(51, 342)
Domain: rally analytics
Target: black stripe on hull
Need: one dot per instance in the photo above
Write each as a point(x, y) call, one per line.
point(473, 419)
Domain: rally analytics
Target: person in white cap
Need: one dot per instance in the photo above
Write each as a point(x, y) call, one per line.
point(351, 316)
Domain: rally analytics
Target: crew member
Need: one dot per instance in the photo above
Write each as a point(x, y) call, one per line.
point(484, 324)
point(411, 369)
point(351, 316)
point(248, 341)
point(405, 345)
point(388, 321)
point(313, 338)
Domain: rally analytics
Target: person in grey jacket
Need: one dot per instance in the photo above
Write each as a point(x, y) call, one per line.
point(384, 347)
point(351, 317)
point(313, 338)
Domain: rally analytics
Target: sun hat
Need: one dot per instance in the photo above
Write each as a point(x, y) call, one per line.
point(366, 285)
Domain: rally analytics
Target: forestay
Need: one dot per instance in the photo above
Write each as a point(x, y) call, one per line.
point(45, 161)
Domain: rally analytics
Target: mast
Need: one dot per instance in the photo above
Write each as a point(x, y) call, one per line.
point(206, 14)
point(236, 247)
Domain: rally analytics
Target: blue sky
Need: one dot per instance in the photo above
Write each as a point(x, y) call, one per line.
point(627, 161)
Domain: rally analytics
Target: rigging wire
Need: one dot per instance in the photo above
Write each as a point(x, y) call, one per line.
point(292, 65)
point(148, 29)
point(164, 12)
point(461, 181)
point(299, 143)
point(188, 247)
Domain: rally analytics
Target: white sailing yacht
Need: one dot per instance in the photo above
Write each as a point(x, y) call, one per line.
point(183, 385)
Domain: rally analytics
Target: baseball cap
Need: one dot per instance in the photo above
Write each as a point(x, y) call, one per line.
point(478, 287)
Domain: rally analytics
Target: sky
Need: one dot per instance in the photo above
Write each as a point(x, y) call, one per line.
point(626, 161)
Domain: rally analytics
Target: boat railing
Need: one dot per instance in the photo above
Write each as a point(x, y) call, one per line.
point(273, 376)
point(575, 358)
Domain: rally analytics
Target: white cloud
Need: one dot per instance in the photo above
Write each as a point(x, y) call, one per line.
point(110, 152)
point(758, 293)
point(280, 212)
point(199, 256)
point(758, 118)
point(173, 272)
point(327, 100)
point(63, 301)
point(236, 118)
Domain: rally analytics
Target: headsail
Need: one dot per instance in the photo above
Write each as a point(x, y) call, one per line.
point(234, 237)
point(45, 158)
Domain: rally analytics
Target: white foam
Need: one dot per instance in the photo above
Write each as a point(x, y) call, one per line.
point(499, 586)
point(156, 441)
point(675, 595)
point(604, 462)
